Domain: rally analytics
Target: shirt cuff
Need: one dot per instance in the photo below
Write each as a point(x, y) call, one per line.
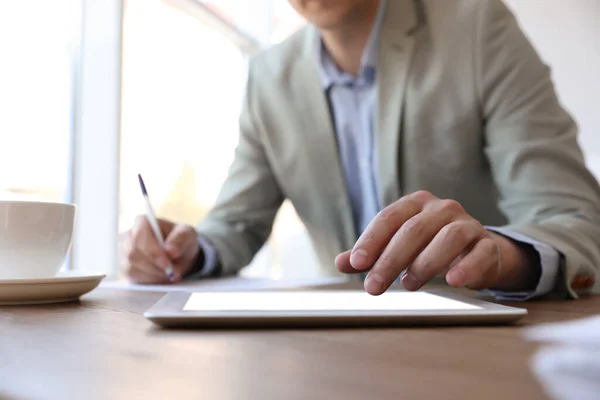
point(550, 264)
point(210, 259)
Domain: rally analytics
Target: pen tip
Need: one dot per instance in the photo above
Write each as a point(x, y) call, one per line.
point(142, 186)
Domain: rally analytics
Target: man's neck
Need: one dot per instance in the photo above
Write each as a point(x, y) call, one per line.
point(346, 42)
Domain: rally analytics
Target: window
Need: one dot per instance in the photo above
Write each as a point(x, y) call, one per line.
point(182, 91)
point(183, 80)
point(270, 21)
point(37, 42)
point(39, 46)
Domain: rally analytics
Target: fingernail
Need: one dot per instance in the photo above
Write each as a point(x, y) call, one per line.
point(374, 284)
point(456, 277)
point(172, 250)
point(162, 262)
point(358, 259)
point(409, 282)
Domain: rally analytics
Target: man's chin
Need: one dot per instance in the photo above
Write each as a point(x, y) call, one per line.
point(328, 19)
point(327, 24)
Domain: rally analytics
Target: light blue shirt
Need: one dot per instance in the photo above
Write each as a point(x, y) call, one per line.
point(352, 103)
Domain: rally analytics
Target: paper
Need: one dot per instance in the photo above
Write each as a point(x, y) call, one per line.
point(581, 332)
point(568, 365)
point(225, 284)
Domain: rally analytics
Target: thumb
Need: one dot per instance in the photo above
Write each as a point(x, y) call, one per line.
point(165, 226)
point(342, 262)
point(179, 240)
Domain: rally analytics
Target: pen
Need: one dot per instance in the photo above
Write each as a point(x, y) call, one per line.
point(154, 224)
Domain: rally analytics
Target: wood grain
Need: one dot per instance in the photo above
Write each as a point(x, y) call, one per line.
point(103, 348)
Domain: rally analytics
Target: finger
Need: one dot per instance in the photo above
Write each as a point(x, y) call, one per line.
point(179, 240)
point(382, 228)
point(142, 268)
point(140, 276)
point(178, 272)
point(142, 230)
point(164, 225)
point(342, 263)
point(404, 247)
point(479, 268)
point(137, 259)
point(449, 243)
point(153, 251)
point(145, 241)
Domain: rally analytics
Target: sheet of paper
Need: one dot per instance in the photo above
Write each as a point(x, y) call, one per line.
point(581, 332)
point(568, 364)
point(225, 284)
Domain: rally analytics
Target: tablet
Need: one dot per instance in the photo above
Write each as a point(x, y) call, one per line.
point(325, 308)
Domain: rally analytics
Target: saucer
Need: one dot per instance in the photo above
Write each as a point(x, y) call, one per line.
point(66, 286)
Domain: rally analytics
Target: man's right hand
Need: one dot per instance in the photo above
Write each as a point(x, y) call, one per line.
point(143, 259)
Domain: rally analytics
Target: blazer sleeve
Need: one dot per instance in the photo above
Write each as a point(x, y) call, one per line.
point(242, 218)
point(547, 193)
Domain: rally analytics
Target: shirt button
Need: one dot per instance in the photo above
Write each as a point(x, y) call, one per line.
point(364, 164)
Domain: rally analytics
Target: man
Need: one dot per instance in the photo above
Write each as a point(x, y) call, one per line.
point(415, 138)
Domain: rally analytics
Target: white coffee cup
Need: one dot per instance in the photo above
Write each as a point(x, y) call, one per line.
point(35, 238)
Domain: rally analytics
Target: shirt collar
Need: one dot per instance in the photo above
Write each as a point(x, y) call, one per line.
point(330, 74)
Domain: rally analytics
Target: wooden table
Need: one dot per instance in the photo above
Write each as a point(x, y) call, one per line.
point(103, 348)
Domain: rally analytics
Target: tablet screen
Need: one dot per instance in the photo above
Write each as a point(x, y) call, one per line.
point(322, 301)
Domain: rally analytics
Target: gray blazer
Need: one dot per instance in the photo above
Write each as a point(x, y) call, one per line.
point(466, 109)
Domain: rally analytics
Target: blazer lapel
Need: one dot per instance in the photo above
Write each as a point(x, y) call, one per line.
point(396, 45)
point(321, 140)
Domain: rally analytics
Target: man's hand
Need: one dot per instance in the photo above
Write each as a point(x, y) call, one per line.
point(145, 261)
point(421, 236)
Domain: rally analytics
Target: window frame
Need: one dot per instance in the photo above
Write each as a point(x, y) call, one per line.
point(97, 122)
point(96, 136)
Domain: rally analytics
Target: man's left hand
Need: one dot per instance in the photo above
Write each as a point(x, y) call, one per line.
point(421, 236)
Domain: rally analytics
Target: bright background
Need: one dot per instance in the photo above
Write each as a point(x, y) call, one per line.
point(94, 92)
